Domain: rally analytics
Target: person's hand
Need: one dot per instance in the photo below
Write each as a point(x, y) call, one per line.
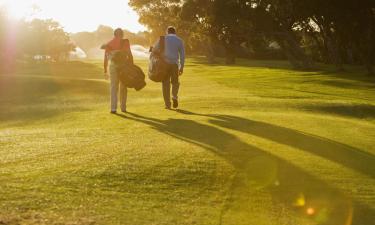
point(181, 71)
point(106, 76)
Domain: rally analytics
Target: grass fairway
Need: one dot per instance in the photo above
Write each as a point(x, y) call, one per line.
point(255, 143)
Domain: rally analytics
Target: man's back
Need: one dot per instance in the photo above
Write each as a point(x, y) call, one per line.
point(174, 50)
point(174, 54)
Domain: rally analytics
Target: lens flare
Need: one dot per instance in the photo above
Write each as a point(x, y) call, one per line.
point(310, 211)
point(9, 47)
point(325, 209)
point(300, 201)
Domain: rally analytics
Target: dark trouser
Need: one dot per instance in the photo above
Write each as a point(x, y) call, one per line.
point(172, 78)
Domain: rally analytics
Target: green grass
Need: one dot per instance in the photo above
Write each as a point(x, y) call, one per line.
point(256, 143)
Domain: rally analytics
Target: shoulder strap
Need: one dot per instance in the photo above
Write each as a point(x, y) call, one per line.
point(162, 43)
point(123, 42)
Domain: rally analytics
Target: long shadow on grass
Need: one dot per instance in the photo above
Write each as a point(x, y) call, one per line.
point(361, 111)
point(352, 74)
point(258, 170)
point(334, 151)
point(346, 155)
point(364, 83)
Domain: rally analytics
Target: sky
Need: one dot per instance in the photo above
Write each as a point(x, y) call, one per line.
point(77, 15)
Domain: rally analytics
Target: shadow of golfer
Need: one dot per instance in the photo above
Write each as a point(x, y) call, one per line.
point(257, 170)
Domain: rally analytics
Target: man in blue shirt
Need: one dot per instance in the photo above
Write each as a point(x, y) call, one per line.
point(174, 55)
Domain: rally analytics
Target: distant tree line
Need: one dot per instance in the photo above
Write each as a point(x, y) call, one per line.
point(46, 40)
point(90, 42)
point(34, 40)
point(330, 31)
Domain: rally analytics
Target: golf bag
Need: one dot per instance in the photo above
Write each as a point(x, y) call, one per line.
point(130, 75)
point(157, 70)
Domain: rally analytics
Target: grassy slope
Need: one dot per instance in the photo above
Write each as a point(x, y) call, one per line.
point(255, 143)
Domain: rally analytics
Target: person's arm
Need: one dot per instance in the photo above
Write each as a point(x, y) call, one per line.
point(182, 58)
point(107, 51)
point(105, 62)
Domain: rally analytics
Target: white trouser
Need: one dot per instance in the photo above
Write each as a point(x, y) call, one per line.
point(115, 84)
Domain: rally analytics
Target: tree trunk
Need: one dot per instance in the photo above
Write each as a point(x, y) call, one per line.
point(368, 61)
point(230, 59)
point(330, 43)
point(289, 54)
point(322, 48)
point(334, 53)
point(293, 51)
point(350, 56)
point(210, 53)
point(370, 69)
point(230, 54)
point(369, 50)
point(306, 62)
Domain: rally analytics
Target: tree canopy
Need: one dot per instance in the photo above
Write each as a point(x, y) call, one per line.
point(35, 39)
point(45, 37)
point(331, 31)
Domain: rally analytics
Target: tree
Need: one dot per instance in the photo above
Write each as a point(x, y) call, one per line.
point(334, 31)
point(44, 38)
point(157, 15)
point(226, 23)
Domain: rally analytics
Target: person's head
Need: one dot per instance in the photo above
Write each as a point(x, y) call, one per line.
point(119, 33)
point(171, 30)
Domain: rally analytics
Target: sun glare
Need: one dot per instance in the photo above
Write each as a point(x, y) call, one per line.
point(16, 9)
point(76, 15)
